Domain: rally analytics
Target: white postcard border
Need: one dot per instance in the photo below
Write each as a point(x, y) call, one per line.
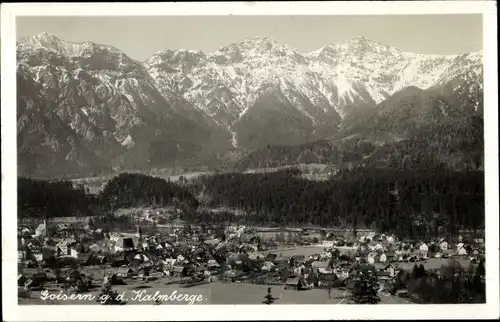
point(14, 312)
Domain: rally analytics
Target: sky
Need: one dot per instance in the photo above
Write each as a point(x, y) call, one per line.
point(142, 36)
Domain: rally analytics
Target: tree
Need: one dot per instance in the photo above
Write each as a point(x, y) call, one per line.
point(414, 272)
point(480, 271)
point(322, 235)
point(470, 270)
point(187, 229)
point(421, 271)
point(364, 290)
point(108, 296)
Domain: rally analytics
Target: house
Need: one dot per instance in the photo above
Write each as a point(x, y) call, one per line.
point(212, 264)
point(383, 258)
point(21, 280)
point(372, 257)
point(389, 268)
point(328, 244)
point(402, 293)
point(115, 236)
point(180, 271)
point(271, 257)
point(389, 238)
point(478, 240)
point(73, 275)
point(298, 258)
point(267, 266)
point(321, 267)
point(443, 244)
point(212, 242)
point(81, 221)
point(256, 255)
point(64, 247)
point(126, 244)
point(44, 253)
point(389, 255)
point(382, 275)
point(41, 230)
point(125, 272)
point(343, 273)
point(98, 233)
point(424, 249)
point(293, 283)
point(461, 249)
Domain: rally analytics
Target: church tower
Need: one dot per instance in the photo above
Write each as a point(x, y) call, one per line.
point(139, 237)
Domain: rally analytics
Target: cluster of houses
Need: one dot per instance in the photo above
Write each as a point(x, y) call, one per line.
point(382, 248)
point(77, 252)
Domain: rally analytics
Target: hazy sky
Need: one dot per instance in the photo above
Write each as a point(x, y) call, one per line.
point(141, 37)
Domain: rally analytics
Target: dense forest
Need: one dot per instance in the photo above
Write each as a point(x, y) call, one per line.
point(456, 284)
point(322, 152)
point(37, 198)
point(130, 190)
point(424, 202)
point(415, 203)
point(455, 145)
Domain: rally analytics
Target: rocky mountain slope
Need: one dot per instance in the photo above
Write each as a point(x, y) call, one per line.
point(88, 106)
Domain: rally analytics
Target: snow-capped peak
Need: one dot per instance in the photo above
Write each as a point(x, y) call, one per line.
point(50, 42)
point(227, 83)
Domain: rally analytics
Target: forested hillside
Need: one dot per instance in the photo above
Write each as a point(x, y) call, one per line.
point(38, 198)
point(455, 145)
point(424, 201)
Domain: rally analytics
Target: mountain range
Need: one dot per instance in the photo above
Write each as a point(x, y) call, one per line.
point(85, 108)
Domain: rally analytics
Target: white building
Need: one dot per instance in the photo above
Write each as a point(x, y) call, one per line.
point(41, 230)
point(461, 249)
point(424, 249)
point(443, 244)
point(371, 258)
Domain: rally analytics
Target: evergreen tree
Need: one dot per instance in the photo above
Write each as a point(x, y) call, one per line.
point(421, 271)
point(364, 290)
point(480, 271)
point(414, 272)
point(108, 296)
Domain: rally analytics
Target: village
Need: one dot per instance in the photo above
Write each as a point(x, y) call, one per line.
point(70, 255)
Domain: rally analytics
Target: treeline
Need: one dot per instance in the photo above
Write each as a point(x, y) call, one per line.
point(411, 203)
point(38, 198)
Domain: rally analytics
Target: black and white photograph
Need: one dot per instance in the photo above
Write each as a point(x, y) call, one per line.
point(256, 161)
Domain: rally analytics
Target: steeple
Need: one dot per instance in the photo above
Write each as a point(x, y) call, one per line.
point(139, 237)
